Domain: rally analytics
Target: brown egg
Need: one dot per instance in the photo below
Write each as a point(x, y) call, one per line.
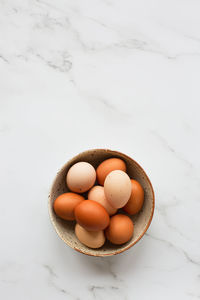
point(117, 188)
point(81, 177)
point(134, 204)
point(65, 204)
point(92, 215)
point(92, 239)
point(108, 166)
point(97, 194)
point(120, 229)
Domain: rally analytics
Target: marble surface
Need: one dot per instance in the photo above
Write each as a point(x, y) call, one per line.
point(76, 75)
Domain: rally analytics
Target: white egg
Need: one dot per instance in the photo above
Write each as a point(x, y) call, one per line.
point(81, 177)
point(117, 188)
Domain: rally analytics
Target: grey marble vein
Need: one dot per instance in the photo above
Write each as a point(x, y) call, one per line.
point(50, 270)
point(104, 289)
point(179, 32)
point(46, 21)
point(93, 288)
point(163, 211)
point(77, 34)
point(166, 144)
point(102, 104)
point(142, 45)
point(109, 27)
point(108, 262)
point(51, 281)
point(2, 57)
point(178, 249)
point(64, 66)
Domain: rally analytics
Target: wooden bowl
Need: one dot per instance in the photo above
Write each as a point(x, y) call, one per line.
point(65, 229)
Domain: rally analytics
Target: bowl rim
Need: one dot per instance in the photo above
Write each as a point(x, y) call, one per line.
point(116, 251)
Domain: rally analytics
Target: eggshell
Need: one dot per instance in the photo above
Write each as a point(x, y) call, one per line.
point(81, 177)
point(65, 204)
point(92, 239)
point(135, 202)
point(92, 215)
point(97, 194)
point(117, 188)
point(108, 166)
point(120, 229)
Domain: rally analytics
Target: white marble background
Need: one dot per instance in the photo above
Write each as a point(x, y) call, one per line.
point(85, 74)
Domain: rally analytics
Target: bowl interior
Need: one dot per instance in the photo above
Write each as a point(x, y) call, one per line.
point(142, 220)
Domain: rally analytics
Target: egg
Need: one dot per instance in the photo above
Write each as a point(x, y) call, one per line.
point(108, 166)
point(120, 229)
point(81, 177)
point(92, 239)
point(117, 188)
point(134, 204)
point(97, 194)
point(65, 204)
point(91, 215)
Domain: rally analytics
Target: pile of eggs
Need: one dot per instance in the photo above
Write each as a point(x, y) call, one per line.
point(98, 217)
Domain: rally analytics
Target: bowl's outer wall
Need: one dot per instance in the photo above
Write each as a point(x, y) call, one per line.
point(142, 220)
